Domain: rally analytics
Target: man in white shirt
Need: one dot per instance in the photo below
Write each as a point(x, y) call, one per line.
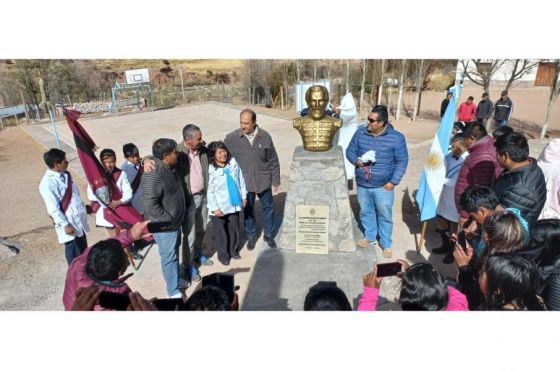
point(108, 159)
point(64, 205)
point(133, 169)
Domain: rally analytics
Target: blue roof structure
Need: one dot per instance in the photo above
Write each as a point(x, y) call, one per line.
point(11, 111)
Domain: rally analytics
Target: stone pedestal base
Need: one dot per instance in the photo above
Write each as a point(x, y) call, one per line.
point(319, 179)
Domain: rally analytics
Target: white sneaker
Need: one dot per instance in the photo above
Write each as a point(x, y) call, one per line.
point(178, 295)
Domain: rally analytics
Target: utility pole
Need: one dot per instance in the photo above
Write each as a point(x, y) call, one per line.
point(54, 127)
point(25, 106)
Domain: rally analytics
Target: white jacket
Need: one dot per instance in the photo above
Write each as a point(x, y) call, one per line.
point(52, 189)
point(218, 197)
point(126, 190)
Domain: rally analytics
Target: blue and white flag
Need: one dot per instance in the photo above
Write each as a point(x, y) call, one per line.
point(433, 176)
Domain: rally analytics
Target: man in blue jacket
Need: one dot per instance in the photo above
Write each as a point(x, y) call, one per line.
point(376, 179)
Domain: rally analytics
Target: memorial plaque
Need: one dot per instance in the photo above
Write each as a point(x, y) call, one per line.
point(312, 229)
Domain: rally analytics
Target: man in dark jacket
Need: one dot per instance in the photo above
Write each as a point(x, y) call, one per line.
point(253, 149)
point(480, 168)
point(484, 109)
point(444, 104)
point(522, 184)
point(503, 111)
point(376, 179)
point(192, 165)
point(164, 201)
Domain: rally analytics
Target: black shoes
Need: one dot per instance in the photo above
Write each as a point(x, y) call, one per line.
point(271, 243)
point(251, 243)
point(446, 244)
point(137, 256)
point(224, 262)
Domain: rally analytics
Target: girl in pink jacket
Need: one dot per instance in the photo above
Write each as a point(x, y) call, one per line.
point(423, 289)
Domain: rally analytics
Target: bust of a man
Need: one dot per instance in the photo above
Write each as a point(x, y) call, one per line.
point(317, 129)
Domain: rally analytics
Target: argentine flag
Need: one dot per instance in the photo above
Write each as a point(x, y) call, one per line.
point(433, 176)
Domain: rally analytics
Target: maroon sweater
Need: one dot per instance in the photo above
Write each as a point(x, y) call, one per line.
point(480, 168)
point(76, 276)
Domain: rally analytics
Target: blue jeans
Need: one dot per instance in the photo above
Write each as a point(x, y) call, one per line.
point(376, 214)
point(74, 248)
point(168, 245)
point(267, 214)
point(194, 225)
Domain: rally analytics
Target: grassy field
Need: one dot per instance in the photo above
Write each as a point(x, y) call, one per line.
point(192, 65)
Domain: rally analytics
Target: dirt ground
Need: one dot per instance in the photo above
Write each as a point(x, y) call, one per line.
point(34, 278)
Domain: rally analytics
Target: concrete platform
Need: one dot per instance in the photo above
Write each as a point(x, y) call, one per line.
point(289, 276)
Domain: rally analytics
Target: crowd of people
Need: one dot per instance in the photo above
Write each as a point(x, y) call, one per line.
point(177, 188)
point(498, 216)
point(468, 111)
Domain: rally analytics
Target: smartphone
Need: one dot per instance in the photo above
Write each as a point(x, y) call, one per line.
point(388, 269)
point(114, 301)
point(462, 240)
point(221, 280)
point(159, 227)
point(171, 304)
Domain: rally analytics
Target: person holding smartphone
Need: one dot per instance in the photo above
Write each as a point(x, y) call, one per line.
point(423, 289)
point(502, 231)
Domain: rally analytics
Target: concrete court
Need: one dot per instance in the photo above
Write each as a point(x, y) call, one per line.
point(216, 120)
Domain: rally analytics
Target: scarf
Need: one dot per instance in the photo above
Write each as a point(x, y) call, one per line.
point(233, 190)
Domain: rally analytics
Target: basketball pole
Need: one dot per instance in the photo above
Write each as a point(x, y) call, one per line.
point(422, 236)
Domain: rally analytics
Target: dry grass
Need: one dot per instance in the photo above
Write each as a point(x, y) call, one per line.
point(191, 65)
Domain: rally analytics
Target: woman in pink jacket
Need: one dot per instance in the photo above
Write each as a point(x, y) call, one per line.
point(423, 289)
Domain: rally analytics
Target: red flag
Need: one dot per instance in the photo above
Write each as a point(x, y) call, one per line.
point(102, 183)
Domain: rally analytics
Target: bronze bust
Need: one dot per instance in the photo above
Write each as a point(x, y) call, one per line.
point(317, 129)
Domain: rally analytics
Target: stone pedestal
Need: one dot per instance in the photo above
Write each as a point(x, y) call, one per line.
point(319, 179)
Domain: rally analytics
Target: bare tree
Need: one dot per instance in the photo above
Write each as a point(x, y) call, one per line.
point(401, 89)
point(314, 70)
point(348, 89)
point(27, 77)
point(554, 92)
point(520, 67)
point(364, 71)
point(480, 71)
point(373, 82)
point(285, 80)
point(382, 81)
point(252, 78)
point(419, 82)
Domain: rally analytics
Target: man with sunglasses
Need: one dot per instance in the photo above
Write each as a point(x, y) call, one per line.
point(377, 179)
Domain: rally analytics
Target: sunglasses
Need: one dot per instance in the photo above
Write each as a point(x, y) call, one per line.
point(373, 120)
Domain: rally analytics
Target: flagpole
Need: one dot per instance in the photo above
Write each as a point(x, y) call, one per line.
point(422, 236)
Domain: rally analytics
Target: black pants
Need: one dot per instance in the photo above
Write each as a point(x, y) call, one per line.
point(225, 234)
